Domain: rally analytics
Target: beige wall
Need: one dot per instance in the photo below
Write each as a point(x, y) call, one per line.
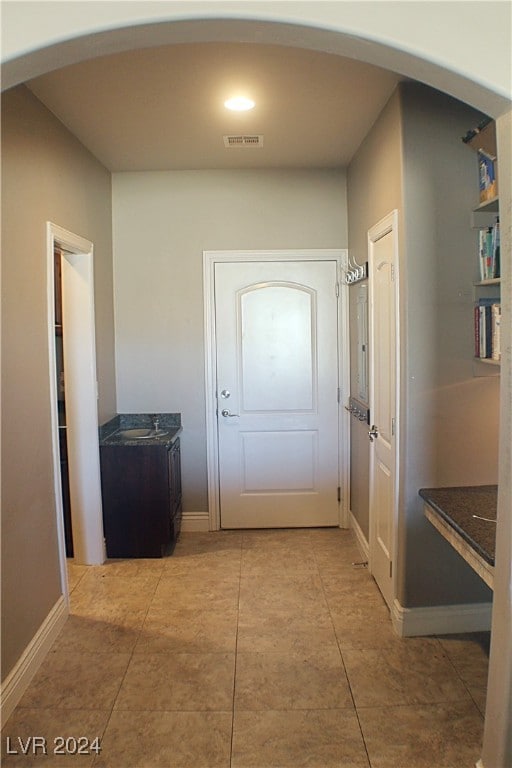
point(497, 749)
point(162, 224)
point(46, 175)
point(374, 188)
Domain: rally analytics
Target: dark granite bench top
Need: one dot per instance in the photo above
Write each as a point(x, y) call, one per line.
point(169, 425)
point(457, 507)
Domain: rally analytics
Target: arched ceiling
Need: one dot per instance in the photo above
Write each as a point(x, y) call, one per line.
point(147, 95)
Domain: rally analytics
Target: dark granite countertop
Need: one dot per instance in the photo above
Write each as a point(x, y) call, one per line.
point(169, 427)
point(457, 507)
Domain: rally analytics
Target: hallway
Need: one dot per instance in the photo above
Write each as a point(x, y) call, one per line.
point(257, 649)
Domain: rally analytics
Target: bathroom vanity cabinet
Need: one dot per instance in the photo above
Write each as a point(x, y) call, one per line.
point(141, 490)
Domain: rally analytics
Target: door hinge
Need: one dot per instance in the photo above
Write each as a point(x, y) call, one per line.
point(390, 568)
point(337, 290)
point(339, 493)
point(338, 395)
point(392, 273)
point(393, 426)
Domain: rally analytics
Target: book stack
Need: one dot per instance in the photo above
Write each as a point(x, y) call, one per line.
point(489, 252)
point(488, 329)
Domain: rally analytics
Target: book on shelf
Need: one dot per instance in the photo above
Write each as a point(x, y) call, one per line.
point(496, 249)
point(496, 332)
point(487, 328)
point(487, 176)
point(489, 251)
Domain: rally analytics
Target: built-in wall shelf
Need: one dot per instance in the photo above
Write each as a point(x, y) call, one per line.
point(485, 214)
point(485, 218)
point(488, 361)
point(492, 205)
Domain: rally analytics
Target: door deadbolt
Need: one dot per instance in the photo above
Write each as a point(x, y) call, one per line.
point(225, 393)
point(373, 433)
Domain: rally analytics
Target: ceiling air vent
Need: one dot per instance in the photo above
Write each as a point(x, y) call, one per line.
point(240, 140)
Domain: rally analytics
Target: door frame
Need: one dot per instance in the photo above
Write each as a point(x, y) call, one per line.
point(81, 397)
point(388, 224)
point(210, 259)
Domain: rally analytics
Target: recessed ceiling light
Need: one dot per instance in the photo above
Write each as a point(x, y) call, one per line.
point(239, 104)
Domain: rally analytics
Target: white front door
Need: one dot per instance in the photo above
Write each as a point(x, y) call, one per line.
point(277, 378)
point(383, 401)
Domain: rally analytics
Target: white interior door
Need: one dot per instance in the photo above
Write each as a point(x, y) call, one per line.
point(383, 401)
point(81, 396)
point(277, 406)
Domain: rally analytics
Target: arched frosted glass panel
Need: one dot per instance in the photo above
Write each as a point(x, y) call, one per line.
point(277, 327)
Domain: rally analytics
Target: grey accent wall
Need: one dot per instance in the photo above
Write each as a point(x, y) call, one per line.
point(46, 175)
point(162, 223)
point(450, 420)
point(374, 188)
point(414, 160)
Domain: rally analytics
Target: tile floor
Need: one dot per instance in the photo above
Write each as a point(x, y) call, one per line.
point(261, 649)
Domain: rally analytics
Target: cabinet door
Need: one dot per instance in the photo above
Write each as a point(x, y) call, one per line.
point(135, 501)
point(175, 485)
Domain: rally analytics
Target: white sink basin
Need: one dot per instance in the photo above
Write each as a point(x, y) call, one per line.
point(141, 434)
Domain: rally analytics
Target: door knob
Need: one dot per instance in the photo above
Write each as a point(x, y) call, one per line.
point(227, 414)
point(373, 433)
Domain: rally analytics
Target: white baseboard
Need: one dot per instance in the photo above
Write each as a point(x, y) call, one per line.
point(18, 680)
point(195, 521)
point(441, 619)
point(361, 540)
